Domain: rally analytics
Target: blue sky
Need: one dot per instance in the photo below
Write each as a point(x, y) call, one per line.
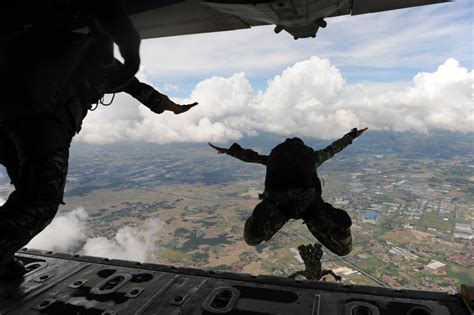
point(381, 47)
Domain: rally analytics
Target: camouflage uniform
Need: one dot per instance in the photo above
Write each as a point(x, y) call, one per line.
point(37, 165)
point(293, 191)
point(36, 129)
point(311, 255)
point(41, 112)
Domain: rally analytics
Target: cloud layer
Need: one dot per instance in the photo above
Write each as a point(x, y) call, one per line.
point(69, 233)
point(311, 98)
point(129, 243)
point(65, 234)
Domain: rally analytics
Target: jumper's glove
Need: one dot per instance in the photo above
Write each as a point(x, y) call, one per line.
point(177, 108)
point(158, 103)
point(231, 151)
point(219, 149)
point(354, 133)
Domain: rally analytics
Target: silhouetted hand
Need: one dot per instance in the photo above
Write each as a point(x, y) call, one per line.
point(354, 133)
point(218, 149)
point(177, 108)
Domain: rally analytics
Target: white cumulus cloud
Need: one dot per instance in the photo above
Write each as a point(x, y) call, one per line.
point(439, 100)
point(311, 98)
point(64, 234)
point(69, 233)
point(129, 243)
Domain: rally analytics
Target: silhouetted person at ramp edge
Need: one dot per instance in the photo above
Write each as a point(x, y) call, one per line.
point(50, 77)
point(293, 191)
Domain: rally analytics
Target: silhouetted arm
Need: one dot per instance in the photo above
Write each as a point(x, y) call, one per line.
point(337, 146)
point(110, 20)
point(153, 99)
point(246, 155)
point(326, 272)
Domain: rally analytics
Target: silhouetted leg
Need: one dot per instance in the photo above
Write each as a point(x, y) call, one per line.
point(331, 226)
point(42, 147)
point(8, 155)
point(265, 221)
point(9, 159)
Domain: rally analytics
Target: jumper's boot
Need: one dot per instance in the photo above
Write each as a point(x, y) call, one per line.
point(12, 268)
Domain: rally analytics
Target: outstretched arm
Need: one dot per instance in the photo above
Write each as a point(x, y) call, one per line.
point(337, 146)
point(153, 99)
point(326, 272)
point(246, 155)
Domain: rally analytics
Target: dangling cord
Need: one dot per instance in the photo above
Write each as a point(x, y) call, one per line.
point(102, 100)
point(94, 106)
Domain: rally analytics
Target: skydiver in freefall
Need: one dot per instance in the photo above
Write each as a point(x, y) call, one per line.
point(51, 76)
point(311, 255)
point(293, 191)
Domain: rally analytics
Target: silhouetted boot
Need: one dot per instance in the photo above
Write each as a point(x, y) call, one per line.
point(13, 268)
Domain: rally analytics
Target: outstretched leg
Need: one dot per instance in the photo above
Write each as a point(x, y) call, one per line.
point(42, 150)
point(331, 226)
point(265, 221)
point(9, 159)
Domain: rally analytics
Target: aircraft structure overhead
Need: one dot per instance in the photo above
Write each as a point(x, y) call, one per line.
point(300, 18)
